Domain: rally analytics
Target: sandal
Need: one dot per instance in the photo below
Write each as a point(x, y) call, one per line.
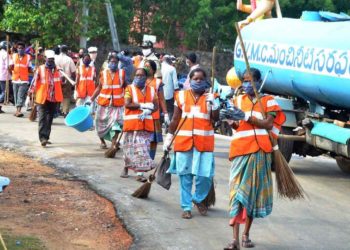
point(202, 209)
point(103, 146)
point(141, 178)
point(124, 174)
point(186, 215)
point(233, 245)
point(246, 242)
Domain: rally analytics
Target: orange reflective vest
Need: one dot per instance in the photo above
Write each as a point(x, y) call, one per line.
point(155, 83)
point(42, 85)
point(112, 92)
point(248, 138)
point(197, 131)
point(132, 122)
point(20, 68)
point(86, 85)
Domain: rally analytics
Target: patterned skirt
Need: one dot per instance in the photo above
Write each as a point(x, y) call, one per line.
point(108, 120)
point(136, 148)
point(251, 191)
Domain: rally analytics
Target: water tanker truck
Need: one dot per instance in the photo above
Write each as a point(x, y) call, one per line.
point(306, 65)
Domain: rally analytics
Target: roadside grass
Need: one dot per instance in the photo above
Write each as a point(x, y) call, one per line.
point(20, 242)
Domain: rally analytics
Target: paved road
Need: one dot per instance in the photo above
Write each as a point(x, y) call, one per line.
point(321, 222)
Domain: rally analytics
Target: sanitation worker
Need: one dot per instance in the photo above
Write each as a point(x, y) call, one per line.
point(193, 158)
point(251, 194)
point(86, 76)
point(48, 94)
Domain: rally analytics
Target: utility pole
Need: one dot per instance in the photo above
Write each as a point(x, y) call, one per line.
point(112, 26)
point(85, 14)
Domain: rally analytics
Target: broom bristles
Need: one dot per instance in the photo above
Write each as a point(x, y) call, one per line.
point(287, 184)
point(210, 199)
point(33, 114)
point(143, 191)
point(110, 153)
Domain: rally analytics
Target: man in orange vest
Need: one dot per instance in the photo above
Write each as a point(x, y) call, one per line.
point(194, 143)
point(251, 194)
point(20, 66)
point(86, 76)
point(48, 93)
point(110, 103)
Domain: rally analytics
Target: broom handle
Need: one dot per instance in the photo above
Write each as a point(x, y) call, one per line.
point(7, 88)
point(171, 143)
point(248, 70)
point(213, 69)
point(278, 9)
point(273, 141)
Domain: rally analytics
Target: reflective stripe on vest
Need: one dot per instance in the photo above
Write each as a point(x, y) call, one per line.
point(249, 139)
point(112, 92)
point(197, 131)
point(132, 121)
point(20, 68)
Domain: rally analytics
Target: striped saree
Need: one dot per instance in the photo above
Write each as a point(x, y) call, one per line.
point(250, 187)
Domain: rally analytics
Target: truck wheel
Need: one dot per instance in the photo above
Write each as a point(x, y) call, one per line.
point(343, 164)
point(286, 146)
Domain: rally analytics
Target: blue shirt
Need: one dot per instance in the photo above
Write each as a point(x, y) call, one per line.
point(126, 64)
point(169, 78)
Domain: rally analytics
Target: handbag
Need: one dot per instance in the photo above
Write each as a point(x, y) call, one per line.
point(163, 178)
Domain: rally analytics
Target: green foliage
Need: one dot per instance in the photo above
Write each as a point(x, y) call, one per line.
point(195, 24)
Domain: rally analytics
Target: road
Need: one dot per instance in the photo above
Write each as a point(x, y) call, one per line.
point(319, 222)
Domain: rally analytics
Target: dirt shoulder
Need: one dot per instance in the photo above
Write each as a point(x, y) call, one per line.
point(62, 213)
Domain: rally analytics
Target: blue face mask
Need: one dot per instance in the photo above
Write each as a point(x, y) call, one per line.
point(248, 87)
point(199, 87)
point(113, 66)
point(50, 64)
point(87, 63)
point(21, 52)
point(140, 82)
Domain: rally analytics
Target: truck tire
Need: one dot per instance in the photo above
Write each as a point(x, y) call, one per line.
point(343, 164)
point(286, 146)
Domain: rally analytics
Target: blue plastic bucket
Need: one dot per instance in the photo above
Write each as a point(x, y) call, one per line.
point(311, 16)
point(80, 119)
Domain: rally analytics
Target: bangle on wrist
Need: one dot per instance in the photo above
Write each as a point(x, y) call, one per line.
point(250, 20)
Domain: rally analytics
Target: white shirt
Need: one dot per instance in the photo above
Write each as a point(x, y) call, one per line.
point(65, 63)
point(4, 64)
point(169, 78)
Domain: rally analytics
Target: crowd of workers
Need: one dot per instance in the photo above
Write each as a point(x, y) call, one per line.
point(133, 95)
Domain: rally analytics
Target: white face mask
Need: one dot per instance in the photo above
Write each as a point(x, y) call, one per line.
point(146, 52)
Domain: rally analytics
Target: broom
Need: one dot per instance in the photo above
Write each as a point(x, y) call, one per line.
point(287, 184)
point(33, 112)
point(210, 198)
point(110, 153)
point(143, 191)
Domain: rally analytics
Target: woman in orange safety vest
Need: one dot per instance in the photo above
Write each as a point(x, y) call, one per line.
point(250, 152)
point(157, 84)
point(140, 103)
point(194, 143)
point(86, 76)
point(110, 103)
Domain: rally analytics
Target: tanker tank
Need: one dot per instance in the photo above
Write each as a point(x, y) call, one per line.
point(306, 59)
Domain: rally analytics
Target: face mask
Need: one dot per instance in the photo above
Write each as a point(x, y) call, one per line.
point(50, 64)
point(140, 82)
point(146, 52)
point(113, 66)
point(21, 52)
point(81, 55)
point(248, 87)
point(87, 63)
point(199, 87)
